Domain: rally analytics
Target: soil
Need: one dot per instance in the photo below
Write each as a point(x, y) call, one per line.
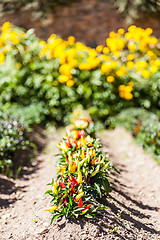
point(89, 21)
point(133, 205)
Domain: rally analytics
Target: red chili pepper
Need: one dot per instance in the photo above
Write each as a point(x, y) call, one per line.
point(70, 183)
point(62, 184)
point(75, 142)
point(75, 183)
point(66, 158)
point(69, 142)
point(81, 133)
point(87, 207)
point(65, 202)
point(88, 179)
point(80, 204)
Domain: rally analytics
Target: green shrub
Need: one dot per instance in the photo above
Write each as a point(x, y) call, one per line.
point(145, 127)
point(12, 139)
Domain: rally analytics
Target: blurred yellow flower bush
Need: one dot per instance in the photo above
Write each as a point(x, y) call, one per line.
point(63, 74)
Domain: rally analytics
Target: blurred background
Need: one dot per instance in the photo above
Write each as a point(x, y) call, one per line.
point(90, 21)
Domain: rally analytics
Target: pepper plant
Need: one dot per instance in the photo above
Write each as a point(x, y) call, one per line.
point(82, 177)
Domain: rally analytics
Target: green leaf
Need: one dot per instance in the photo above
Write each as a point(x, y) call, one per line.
point(88, 215)
point(55, 217)
point(106, 185)
point(48, 192)
point(98, 189)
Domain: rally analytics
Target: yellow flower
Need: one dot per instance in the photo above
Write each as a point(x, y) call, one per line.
point(6, 26)
point(157, 63)
point(106, 50)
point(132, 28)
point(71, 40)
point(110, 79)
point(114, 64)
point(154, 69)
point(112, 35)
point(65, 69)
point(142, 64)
point(121, 72)
point(105, 57)
point(99, 48)
point(70, 83)
point(121, 88)
point(13, 36)
point(93, 53)
point(150, 54)
point(63, 78)
point(106, 68)
point(121, 31)
point(128, 96)
point(130, 65)
point(131, 83)
point(2, 57)
point(132, 46)
point(130, 57)
point(153, 41)
point(146, 73)
point(42, 43)
point(128, 89)
point(117, 54)
point(148, 31)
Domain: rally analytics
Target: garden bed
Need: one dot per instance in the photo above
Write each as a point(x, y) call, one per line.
point(134, 203)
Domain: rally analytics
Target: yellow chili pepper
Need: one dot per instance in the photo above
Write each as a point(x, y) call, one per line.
point(54, 190)
point(79, 180)
point(79, 196)
point(105, 166)
point(55, 207)
point(96, 170)
point(81, 162)
point(72, 167)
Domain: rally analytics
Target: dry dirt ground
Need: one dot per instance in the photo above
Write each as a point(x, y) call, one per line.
point(134, 204)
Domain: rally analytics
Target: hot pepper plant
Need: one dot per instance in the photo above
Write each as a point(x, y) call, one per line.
point(82, 177)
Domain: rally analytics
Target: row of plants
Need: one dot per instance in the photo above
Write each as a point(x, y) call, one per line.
point(15, 128)
point(65, 74)
point(145, 127)
point(82, 174)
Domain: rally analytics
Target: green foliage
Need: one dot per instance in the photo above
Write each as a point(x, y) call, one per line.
point(145, 127)
point(15, 123)
point(12, 138)
point(62, 75)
